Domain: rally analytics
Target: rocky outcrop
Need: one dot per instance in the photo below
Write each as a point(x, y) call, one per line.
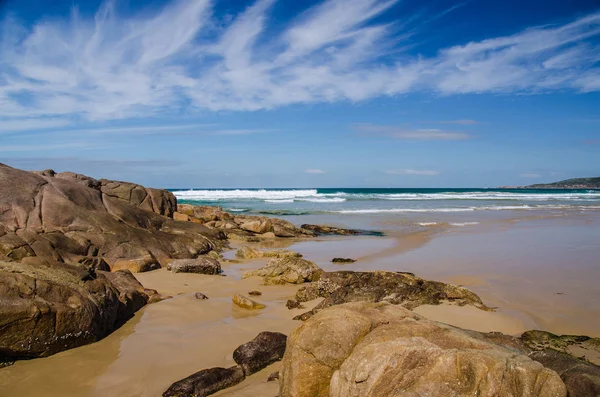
point(246, 303)
point(251, 357)
point(325, 230)
point(246, 252)
point(343, 260)
point(291, 270)
point(397, 288)
point(201, 265)
point(47, 307)
point(379, 349)
point(59, 233)
point(260, 352)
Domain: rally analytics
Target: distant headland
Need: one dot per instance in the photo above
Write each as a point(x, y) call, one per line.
point(574, 183)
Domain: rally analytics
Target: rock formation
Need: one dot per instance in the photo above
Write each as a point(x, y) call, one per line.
point(398, 288)
point(201, 265)
point(378, 349)
point(292, 270)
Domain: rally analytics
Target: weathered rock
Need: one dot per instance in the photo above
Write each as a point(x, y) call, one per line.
point(321, 230)
point(281, 254)
point(201, 265)
point(200, 295)
point(258, 226)
point(246, 252)
point(397, 288)
point(58, 233)
point(246, 303)
point(178, 216)
point(273, 377)
point(293, 304)
point(252, 253)
point(343, 260)
point(255, 293)
point(206, 382)
point(382, 350)
point(262, 351)
point(292, 270)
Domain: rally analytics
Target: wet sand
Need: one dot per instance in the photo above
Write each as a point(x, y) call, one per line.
point(542, 274)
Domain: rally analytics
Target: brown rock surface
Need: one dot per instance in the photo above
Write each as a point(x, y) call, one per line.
point(202, 265)
point(292, 270)
point(260, 352)
point(378, 349)
point(398, 288)
point(206, 382)
point(246, 303)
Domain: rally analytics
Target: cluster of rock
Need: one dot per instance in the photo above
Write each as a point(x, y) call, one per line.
point(60, 236)
point(251, 357)
point(252, 228)
point(384, 350)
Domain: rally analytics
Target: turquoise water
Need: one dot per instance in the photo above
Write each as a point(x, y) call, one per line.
point(389, 201)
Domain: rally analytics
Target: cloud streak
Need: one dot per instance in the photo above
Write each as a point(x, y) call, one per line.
point(432, 134)
point(314, 171)
point(413, 172)
point(114, 66)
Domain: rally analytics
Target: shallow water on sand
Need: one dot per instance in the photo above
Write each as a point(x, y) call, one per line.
point(540, 271)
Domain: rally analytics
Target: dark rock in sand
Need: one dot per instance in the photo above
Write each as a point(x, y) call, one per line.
point(396, 288)
point(343, 260)
point(293, 304)
point(321, 230)
point(246, 303)
point(200, 295)
point(255, 293)
point(201, 265)
point(262, 351)
point(273, 377)
point(206, 382)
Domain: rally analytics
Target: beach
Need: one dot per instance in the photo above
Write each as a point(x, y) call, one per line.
point(539, 272)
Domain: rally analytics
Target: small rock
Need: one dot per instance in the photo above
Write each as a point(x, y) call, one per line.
point(273, 377)
point(293, 304)
point(248, 253)
point(200, 295)
point(206, 382)
point(264, 350)
point(255, 293)
point(246, 303)
point(202, 265)
point(343, 260)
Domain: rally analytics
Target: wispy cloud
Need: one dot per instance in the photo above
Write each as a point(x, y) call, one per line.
point(117, 66)
point(314, 171)
point(413, 172)
point(530, 175)
point(33, 147)
point(431, 134)
point(460, 122)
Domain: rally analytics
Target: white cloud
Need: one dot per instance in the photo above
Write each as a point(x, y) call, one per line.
point(314, 171)
point(115, 66)
point(411, 134)
point(413, 172)
point(530, 175)
point(24, 124)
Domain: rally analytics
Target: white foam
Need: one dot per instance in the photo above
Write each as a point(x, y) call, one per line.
point(376, 211)
point(324, 200)
point(237, 210)
point(282, 201)
point(427, 223)
point(461, 224)
point(262, 194)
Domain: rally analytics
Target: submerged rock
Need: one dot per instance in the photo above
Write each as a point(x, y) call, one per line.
point(292, 270)
point(200, 295)
point(201, 265)
point(262, 351)
point(382, 350)
point(397, 288)
point(206, 382)
point(246, 303)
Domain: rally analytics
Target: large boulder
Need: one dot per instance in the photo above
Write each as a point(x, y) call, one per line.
point(58, 233)
point(292, 270)
point(383, 350)
point(398, 288)
point(260, 352)
point(201, 265)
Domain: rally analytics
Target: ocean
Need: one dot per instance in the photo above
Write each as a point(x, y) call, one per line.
point(289, 202)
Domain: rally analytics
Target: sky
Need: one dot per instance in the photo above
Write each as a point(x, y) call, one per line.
point(282, 93)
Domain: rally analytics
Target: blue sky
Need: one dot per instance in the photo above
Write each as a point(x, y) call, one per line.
point(281, 93)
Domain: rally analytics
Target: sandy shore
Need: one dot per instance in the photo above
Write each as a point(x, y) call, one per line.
point(174, 338)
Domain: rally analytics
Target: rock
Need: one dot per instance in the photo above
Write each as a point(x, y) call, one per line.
point(259, 226)
point(321, 230)
point(273, 377)
point(343, 260)
point(255, 293)
point(246, 303)
point(382, 350)
point(246, 252)
point(293, 304)
point(47, 307)
point(206, 382)
point(281, 254)
point(262, 351)
point(397, 288)
point(178, 216)
point(200, 295)
point(201, 265)
point(58, 233)
point(290, 270)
